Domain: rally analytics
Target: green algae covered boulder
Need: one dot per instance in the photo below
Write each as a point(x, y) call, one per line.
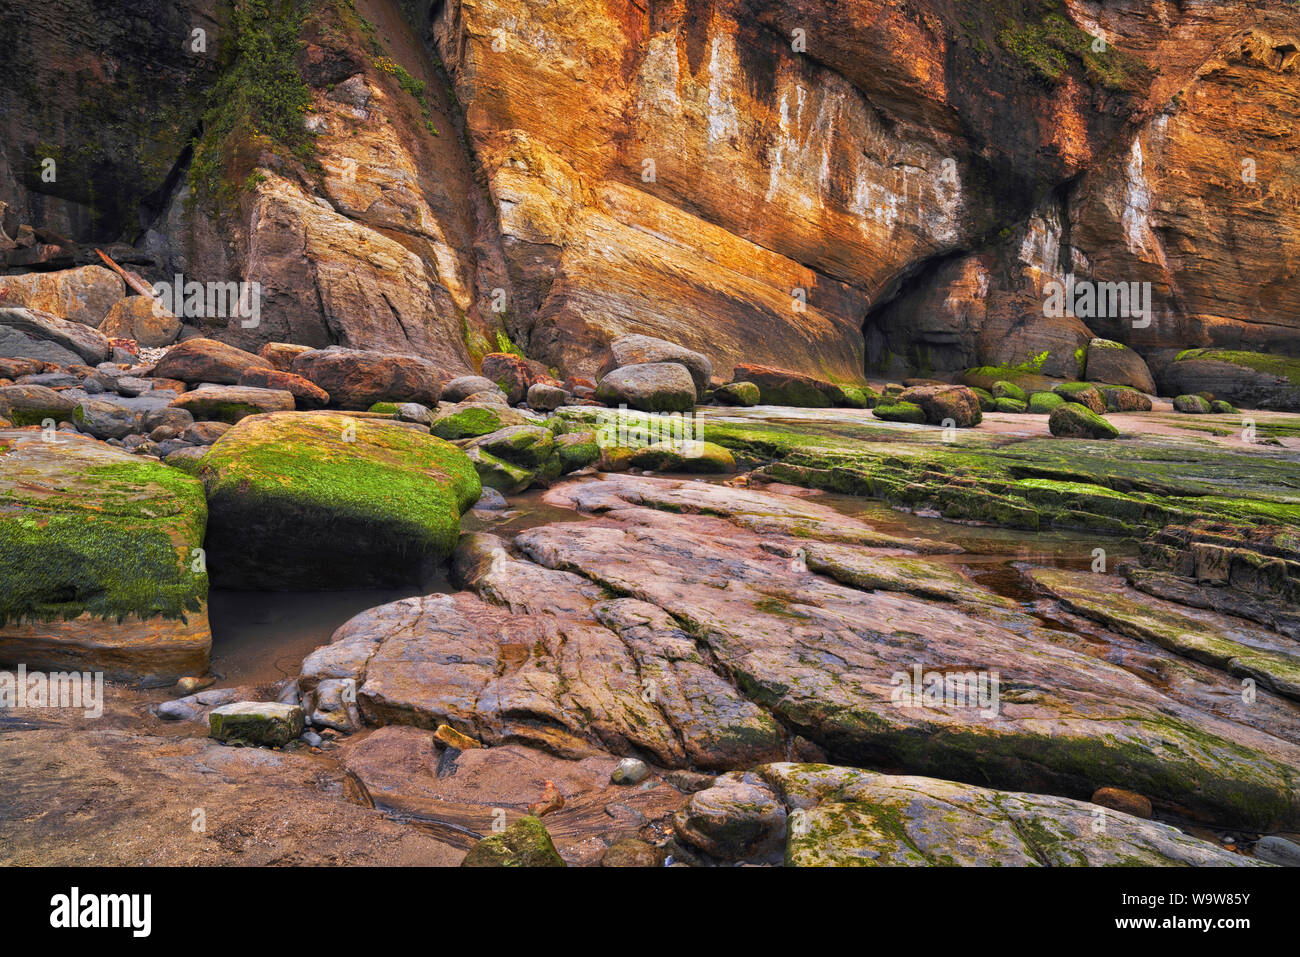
point(1219, 407)
point(33, 404)
point(469, 420)
point(1256, 380)
point(324, 499)
point(1083, 393)
point(858, 397)
point(527, 446)
point(495, 472)
point(847, 817)
point(1070, 420)
point(738, 393)
point(576, 450)
point(1010, 405)
point(1191, 405)
point(525, 843)
point(696, 456)
point(256, 723)
point(1042, 403)
point(987, 402)
point(97, 560)
point(1003, 389)
point(899, 412)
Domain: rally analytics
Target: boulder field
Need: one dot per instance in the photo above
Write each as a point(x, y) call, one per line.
point(666, 668)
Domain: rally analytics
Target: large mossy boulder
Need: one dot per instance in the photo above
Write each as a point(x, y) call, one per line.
point(1071, 420)
point(795, 389)
point(1192, 405)
point(1009, 390)
point(738, 393)
point(894, 411)
point(1083, 393)
point(690, 456)
point(987, 402)
point(497, 473)
point(327, 500)
point(469, 420)
point(99, 561)
point(33, 404)
point(1042, 403)
point(1255, 380)
point(525, 843)
point(841, 817)
point(577, 450)
point(528, 446)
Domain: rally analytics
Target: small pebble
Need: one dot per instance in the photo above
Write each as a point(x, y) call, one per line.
point(630, 771)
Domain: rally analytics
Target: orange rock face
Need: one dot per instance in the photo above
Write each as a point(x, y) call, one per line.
point(825, 187)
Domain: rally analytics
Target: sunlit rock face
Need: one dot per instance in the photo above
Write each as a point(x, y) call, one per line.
point(1203, 201)
point(825, 187)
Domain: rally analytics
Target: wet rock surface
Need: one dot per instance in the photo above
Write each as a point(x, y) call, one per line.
point(595, 668)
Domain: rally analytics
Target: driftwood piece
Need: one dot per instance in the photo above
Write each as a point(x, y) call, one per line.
point(130, 278)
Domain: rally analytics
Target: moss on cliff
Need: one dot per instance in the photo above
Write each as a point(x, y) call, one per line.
point(257, 103)
point(1042, 39)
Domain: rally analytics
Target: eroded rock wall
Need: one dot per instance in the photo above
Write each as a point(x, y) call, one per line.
point(819, 186)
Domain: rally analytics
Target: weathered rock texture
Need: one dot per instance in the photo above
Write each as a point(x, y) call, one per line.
point(798, 183)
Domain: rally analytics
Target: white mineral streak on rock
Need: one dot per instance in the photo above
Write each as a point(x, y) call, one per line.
point(724, 76)
point(1040, 250)
point(660, 76)
point(1136, 218)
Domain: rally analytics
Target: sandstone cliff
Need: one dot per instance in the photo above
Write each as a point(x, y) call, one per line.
point(827, 187)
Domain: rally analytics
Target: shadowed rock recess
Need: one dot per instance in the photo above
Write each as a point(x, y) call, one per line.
point(672, 433)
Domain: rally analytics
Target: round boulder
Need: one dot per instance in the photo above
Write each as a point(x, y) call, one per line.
point(650, 387)
point(944, 403)
point(646, 350)
point(1070, 420)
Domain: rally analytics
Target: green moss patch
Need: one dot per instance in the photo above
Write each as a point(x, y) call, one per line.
point(1284, 367)
point(312, 499)
point(86, 529)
